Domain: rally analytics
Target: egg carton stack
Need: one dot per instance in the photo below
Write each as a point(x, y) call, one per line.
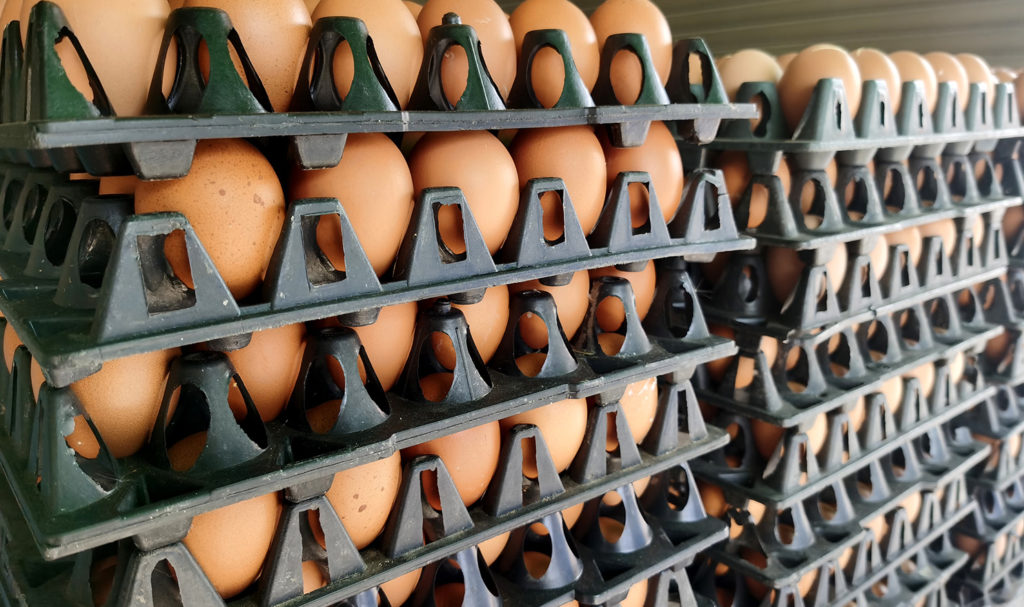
point(91, 289)
point(860, 342)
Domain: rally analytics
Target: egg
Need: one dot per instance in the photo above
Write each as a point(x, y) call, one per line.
point(119, 185)
point(487, 320)
point(713, 499)
point(231, 542)
point(639, 17)
point(913, 66)
point(11, 343)
point(1003, 74)
point(659, 156)
point(101, 579)
point(639, 404)
point(123, 398)
point(11, 11)
point(912, 505)
point(611, 316)
point(497, 43)
point(470, 456)
point(575, 155)
point(375, 188)
point(1018, 91)
point(803, 73)
point(876, 65)
point(785, 59)
point(636, 596)
point(1013, 220)
point(563, 425)
point(718, 367)
point(948, 69)
point(998, 347)
point(945, 229)
point(736, 174)
point(82, 439)
point(978, 72)
point(388, 342)
point(490, 549)
point(396, 38)
point(414, 8)
point(571, 303)
point(956, 366)
point(785, 267)
point(548, 74)
point(766, 436)
point(879, 256)
point(312, 577)
point(478, 164)
point(911, 237)
point(401, 588)
point(892, 390)
point(234, 202)
point(137, 26)
point(747, 65)
point(269, 368)
point(362, 497)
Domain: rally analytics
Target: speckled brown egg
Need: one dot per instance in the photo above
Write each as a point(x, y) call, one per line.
point(363, 497)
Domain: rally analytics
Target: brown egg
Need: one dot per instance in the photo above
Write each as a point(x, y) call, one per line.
point(269, 367)
point(11, 11)
point(910, 237)
point(491, 549)
point(11, 343)
point(643, 282)
point(575, 155)
point(123, 398)
point(101, 578)
point(636, 596)
point(876, 65)
point(737, 175)
point(748, 65)
point(312, 577)
point(396, 37)
point(948, 69)
point(496, 43)
point(785, 267)
point(766, 436)
point(640, 17)
point(913, 66)
point(639, 404)
point(912, 504)
point(363, 497)
point(234, 202)
point(82, 439)
point(137, 25)
point(388, 341)
point(978, 72)
point(803, 73)
point(548, 73)
point(401, 588)
point(718, 367)
point(471, 457)
point(944, 229)
point(658, 156)
point(487, 320)
point(119, 185)
point(374, 185)
point(1003, 74)
point(275, 36)
point(479, 164)
point(925, 374)
point(414, 7)
point(1013, 220)
point(713, 499)
point(956, 367)
point(231, 543)
point(879, 255)
point(785, 59)
point(892, 390)
point(563, 425)
point(571, 302)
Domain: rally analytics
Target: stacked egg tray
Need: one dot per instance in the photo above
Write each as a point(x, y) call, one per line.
point(86, 282)
point(847, 459)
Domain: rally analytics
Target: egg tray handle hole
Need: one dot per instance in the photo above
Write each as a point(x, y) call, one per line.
point(168, 286)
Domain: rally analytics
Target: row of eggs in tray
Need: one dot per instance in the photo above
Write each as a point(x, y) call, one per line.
point(123, 398)
point(122, 41)
point(796, 74)
point(235, 201)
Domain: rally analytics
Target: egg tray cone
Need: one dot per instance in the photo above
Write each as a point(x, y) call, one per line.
point(817, 301)
point(817, 542)
point(874, 206)
point(805, 380)
point(52, 124)
point(114, 295)
point(828, 126)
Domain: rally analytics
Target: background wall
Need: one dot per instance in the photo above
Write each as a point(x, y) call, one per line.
point(993, 29)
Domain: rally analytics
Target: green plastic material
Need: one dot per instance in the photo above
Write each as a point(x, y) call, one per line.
point(574, 91)
point(481, 93)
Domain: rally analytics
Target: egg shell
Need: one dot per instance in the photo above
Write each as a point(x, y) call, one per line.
point(659, 156)
point(718, 367)
point(414, 8)
point(563, 425)
point(496, 42)
point(910, 237)
point(785, 59)
point(956, 367)
point(310, 4)
point(374, 186)
point(948, 69)
point(913, 66)
point(487, 320)
point(312, 577)
point(11, 11)
point(737, 175)
point(979, 72)
point(269, 367)
point(639, 404)
point(548, 74)
point(785, 268)
point(912, 505)
point(879, 255)
point(275, 36)
point(234, 202)
point(123, 398)
point(892, 390)
point(231, 542)
point(363, 497)
point(571, 303)
point(575, 155)
point(640, 17)
point(876, 65)
point(945, 229)
point(388, 342)
point(136, 25)
point(478, 164)
point(636, 596)
point(766, 437)
point(396, 38)
point(401, 588)
point(1013, 220)
point(491, 549)
point(450, 595)
point(747, 65)
point(11, 344)
point(796, 86)
point(119, 185)
point(713, 499)
point(1004, 74)
point(644, 282)
point(101, 579)
point(471, 457)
